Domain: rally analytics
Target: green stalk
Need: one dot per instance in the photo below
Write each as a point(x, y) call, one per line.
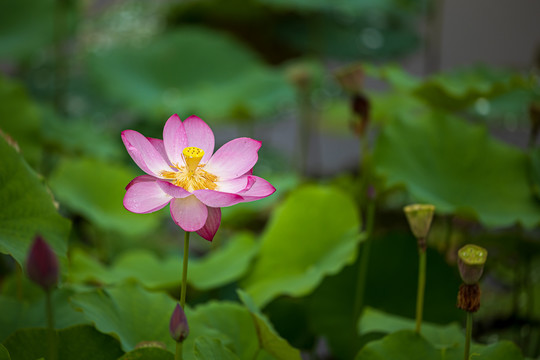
point(421, 287)
point(184, 270)
point(468, 335)
point(178, 355)
point(50, 325)
point(365, 249)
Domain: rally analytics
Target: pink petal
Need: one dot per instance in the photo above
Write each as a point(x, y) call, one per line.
point(189, 213)
point(145, 196)
point(208, 231)
point(200, 135)
point(160, 147)
point(260, 189)
point(216, 198)
point(174, 139)
point(173, 190)
point(139, 179)
point(234, 185)
point(144, 153)
point(234, 159)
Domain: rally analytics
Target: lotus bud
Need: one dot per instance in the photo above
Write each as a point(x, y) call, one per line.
point(471, 260)
point(178, 327)
point(419, 217)
point(42, 264)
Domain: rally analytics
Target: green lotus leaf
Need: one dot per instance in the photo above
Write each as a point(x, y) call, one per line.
point(408, 345)
point(95, 189)
point(28, 209)
point(459, 168)
point(314, 233)
point(81, 342)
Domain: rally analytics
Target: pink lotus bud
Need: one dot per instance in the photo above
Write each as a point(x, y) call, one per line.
point(42, 264)
point(178, 327)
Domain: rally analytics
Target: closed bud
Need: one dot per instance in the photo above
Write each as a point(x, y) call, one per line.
point(42, 264)
point(178, 327)
point(419, 217)
point(471, 260)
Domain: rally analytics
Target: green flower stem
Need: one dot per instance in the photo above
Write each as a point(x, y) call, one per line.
point(50, 325)
point(179, 355)
point(365, 249)
point(421, 287)
point(468, 335)
point(184, 270)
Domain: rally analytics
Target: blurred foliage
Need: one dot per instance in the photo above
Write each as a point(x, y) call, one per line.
point(168, 76)
point(73, 75)
point(29, 208)
point(81, 342)
point(89, 187)
point(406, 344)
point(453, 174)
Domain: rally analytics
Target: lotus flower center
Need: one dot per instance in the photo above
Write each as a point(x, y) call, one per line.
point(192, 176)
point(192, 156)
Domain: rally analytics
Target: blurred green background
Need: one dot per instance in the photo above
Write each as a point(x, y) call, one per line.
point(362, 107)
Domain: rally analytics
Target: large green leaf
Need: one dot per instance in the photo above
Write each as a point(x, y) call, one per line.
point(95, 189)
point(314, 233)
point(27, 208)
point(129, 312)
point(207, 348)
point(79, 342)
point(20, 119)
point(225, 265)
point(215, 269)
point(269, 339)
point(17, 314)
point(194, 69)
point(393, 259)
point(407, 345)
point(82, 137)
point(4, 354)
point(459, 168)
point(440, 336)
point(135, 315)
point(459, 89)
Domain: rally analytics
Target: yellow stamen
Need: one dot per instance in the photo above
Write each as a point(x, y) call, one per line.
point(192, 176)
point(192, 156)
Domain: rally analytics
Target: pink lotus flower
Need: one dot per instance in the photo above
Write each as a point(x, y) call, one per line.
point(182, 171)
